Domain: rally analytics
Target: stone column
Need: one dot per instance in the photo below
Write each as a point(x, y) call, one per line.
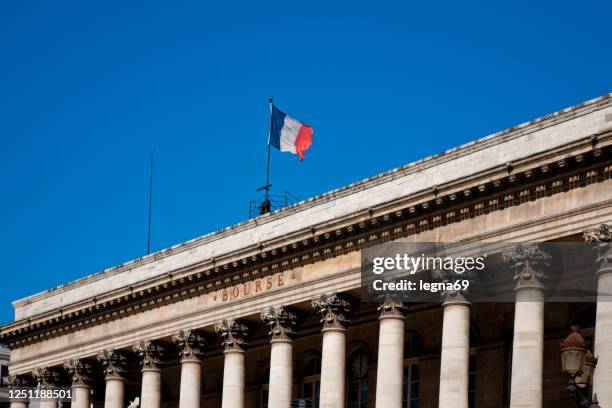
point(455, 352)
point(190, 345)
point(600, 241)
point(46, 378)
point(333, 310)
point(80, 372)
point(281, 322)
point(233, 336)
point(390, 369)
point(528, 263)
point(114, 363)
point(150, 354)
point(16, 382)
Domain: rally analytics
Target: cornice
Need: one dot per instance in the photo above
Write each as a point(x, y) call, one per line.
point(448, 204)
point(413, 167)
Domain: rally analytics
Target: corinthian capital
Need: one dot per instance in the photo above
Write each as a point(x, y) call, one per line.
point(280, 321)
point(190, 345)
point(114, 363)
point(528, 263)
point(599, 239)
point(79, 370)
point(391, 309)
point(150, 353)
point(233, 334)
point(15, 381)
point(46, 377)
point(333, 310)
point(450, 277)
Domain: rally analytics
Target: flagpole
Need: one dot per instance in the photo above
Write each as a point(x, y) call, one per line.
point(265, 208)
point(150, 203)
point(268, 164)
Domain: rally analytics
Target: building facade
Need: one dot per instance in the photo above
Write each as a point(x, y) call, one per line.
point(268, 312)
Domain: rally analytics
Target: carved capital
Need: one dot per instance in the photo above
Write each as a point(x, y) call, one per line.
point(392, 309)
point(450, 277)
point(79, 370)
point(46, 377)
point(600, 241)
point(114, 363)
point(190, 345)
point(15, 381)
point(333, 310)
point(150, 354)
point(233, 334)
point(280, 321)
point(528, 263)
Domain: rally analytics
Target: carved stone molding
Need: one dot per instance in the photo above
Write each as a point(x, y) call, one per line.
point(114, 363)
point(600, 241)
point(333, 310)
point(528, 263)
point(190, 345)
point(280, 321)
point(46, 377)
point(150, 354)
point(392, 309)
point(233, 334)
point(79, 370)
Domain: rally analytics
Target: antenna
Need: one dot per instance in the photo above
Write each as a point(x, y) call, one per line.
point(150, 203)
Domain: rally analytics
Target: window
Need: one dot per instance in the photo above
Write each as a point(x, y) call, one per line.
point(3, 373)
point(311, 384)
point(411, 384)
point(358, 380)
point(472, 382)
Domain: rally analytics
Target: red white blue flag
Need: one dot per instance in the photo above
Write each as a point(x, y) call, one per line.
point(288, 134)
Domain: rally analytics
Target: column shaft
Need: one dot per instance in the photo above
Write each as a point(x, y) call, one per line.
point(233, 380)
point(333, 368)
point(191, 380)
point(455, 355)
point(602, 379)
point(114, 394)
point(81, 396)
point(527, 349)
point(281, 374)
point(19, 404)
point(151, 388)
point(48, 404)
point(390, 370)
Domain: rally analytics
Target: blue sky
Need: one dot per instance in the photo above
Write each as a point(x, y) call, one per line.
point(86, 88)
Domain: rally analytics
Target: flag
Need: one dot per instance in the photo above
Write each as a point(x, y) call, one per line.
point(289, 135)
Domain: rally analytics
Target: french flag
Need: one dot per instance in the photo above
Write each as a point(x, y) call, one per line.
point(289, 135)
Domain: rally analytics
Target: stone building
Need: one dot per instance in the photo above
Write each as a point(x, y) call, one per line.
point(267, 313)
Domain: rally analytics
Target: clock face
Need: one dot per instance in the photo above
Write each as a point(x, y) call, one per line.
point(359, 365)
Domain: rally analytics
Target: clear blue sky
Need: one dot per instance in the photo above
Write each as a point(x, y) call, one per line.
point(86, 88)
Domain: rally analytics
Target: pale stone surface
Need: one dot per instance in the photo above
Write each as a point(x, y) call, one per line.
point(602, 379)
point(233, 380)
point(48, 404)
point(527, 349)
point(454, 356)
point(472, 158)
point(281, 373)
point(390, 370)
point(114, 394)
point(333, 368)
point(191, 384)
point(151, 388)
point(81, 396)
point(550, 217)
point(19, 404)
